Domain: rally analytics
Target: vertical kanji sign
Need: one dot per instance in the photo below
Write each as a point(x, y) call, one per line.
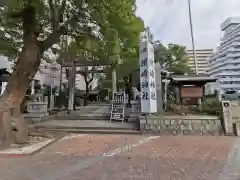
point(147, 75)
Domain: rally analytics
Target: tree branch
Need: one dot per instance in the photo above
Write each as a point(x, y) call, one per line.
point(92, 76)
point(54, 37)
point(91, 79)
point(61, 11)
point(16, 14)
point(54, 20)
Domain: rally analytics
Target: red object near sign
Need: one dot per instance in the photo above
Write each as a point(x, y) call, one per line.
point(192, 92)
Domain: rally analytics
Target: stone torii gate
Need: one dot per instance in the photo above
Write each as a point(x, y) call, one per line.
point(72, 66)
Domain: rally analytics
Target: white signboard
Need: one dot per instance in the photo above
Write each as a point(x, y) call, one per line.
point(147, 75)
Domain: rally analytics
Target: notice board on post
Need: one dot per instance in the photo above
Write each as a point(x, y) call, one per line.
point(118, 106)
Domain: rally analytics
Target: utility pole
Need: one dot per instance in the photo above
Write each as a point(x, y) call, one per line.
point(192, 36)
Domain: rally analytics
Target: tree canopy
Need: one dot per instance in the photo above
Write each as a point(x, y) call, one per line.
point(63, 17)
point(172, 58)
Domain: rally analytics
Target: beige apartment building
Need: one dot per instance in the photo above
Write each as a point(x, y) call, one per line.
point(202, 57)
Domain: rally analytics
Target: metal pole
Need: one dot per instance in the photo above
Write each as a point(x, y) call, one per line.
point(192, 36)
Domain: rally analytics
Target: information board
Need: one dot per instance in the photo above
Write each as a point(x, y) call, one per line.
point(118, 106)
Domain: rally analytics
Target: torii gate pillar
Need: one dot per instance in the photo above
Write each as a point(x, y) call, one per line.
point(72, 86)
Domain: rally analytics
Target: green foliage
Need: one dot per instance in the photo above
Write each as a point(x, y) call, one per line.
point(112, 46)
point(103, 94)
point(129, 37)
point(59, 17)
point(211, 106)
point(180, 68)
point(127, 67)
point(172, 58)
point(107, 84)
point(128, 29)
point(121, 85)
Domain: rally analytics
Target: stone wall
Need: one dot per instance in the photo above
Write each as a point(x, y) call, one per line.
point(181, 125)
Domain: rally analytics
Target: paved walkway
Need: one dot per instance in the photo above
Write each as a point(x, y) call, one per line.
point(101, 157)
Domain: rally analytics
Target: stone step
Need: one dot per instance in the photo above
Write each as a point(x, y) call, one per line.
point(93, 131)
point(125, 126)
point(88, 117)
point(132, 120)
point(108, 104)
point(82, 117)
point(230, 134)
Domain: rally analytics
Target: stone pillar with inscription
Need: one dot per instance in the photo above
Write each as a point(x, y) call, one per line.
point(227, 117)
point(147, 75)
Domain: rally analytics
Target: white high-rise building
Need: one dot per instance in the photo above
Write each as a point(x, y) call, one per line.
point(202, 58)
point(225, 63)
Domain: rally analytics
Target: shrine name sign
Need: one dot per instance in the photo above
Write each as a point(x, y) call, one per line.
point(192, 92)
point(147, 74)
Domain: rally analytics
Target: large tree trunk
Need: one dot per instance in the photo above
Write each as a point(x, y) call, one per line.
point(23, 73)
point(87, 82)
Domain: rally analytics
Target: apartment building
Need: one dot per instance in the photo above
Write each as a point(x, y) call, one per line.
point(225, 63)
point(202, 58)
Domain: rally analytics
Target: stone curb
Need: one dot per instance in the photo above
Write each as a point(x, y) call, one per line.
point(19, 152)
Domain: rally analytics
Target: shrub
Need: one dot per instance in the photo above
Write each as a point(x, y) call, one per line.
point(211, 106)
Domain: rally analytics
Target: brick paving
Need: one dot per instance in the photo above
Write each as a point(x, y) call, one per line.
point(164, 158)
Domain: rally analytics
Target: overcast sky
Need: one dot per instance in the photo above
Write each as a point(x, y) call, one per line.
point(169, 22)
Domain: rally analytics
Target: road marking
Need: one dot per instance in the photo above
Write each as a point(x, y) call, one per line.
point(128, 147)
point(71, 136)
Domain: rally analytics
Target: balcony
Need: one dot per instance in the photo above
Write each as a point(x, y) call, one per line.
point(224, 47)
point(226, 86)
point(226, 52)
point(228, 73)
point(233, 80)
point(225, 61)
